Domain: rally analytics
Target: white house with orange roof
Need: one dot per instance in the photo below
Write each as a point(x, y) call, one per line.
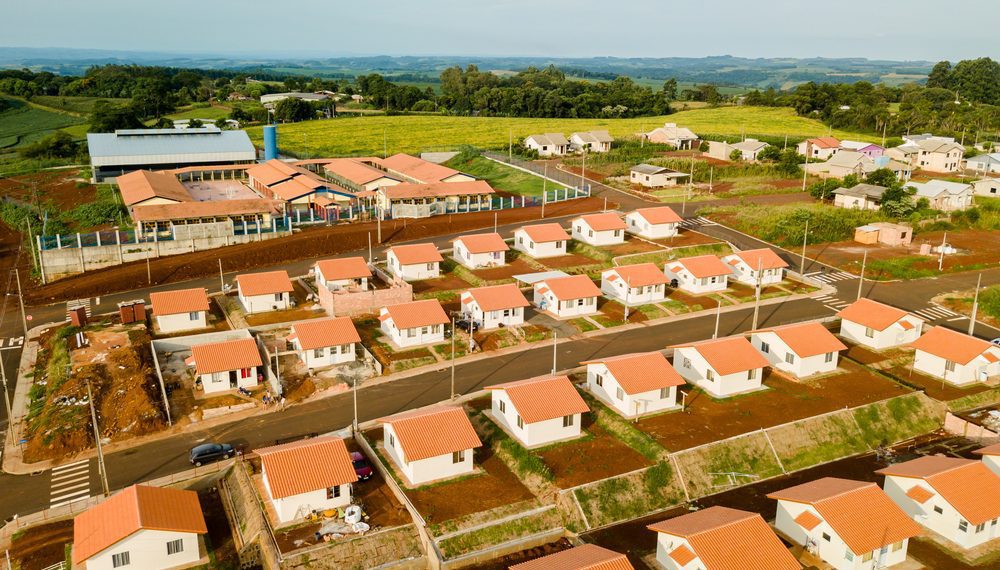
point(414, 324)
point(801, 349)
point(722, 367)
point(877, 325)
point(306, 476)
point(180, 310)
point(720, 538)
point(634, 385)
point(477, 251)
point(414, 262)
point(325, 342)
point(991, 457)
point(539, 411)
point(264, 292)
point(566, 297)
point(818, 149)
point(955, 357)
point(850, 525)
point(956, 498)
point(583, 557)
point(653, 223)
point(745, 265)
point(599, 229)
point(698, 275)
point(541, 240)
point(634, 285)
point(430, 444)
point(495, 306)
point(153, 528)
point(343, 273)
point(226, 365)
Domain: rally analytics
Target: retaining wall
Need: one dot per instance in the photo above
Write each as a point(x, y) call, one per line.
point(360, 302)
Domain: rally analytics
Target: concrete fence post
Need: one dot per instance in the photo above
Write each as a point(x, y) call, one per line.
point(58, 242)
point(41, 258)
point(98, 234)
point(79, 246)
point(118, 242)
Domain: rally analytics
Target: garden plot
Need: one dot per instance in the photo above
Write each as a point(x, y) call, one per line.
point(596, 455)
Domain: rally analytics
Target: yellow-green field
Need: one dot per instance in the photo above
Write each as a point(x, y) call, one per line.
point(413, 134)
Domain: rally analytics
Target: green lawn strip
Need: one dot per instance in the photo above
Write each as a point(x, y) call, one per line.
point(624, 430)
point(583, 324)
point(629, 497)
point(500, 533)
point(501, 176)
point(523, 462)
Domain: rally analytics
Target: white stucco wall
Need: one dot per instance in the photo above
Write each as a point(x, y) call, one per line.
point(563, 309)
point(946, 523)
point(697, 286)
point(748, 276)
point(478, 260)
point(993, 462)
point(619, 291)
point(329, 355)
point(263, 303)
point(854, 202)
point(524, 244)
point(533, 434)
point(147, 549)
point(777, 353)
point(693, 368)
point(583, 232)
point(181, 322)
point(638, 225)
point(413, 271)
point(628, 405)
point(298, 506)
point(961, 375)
point(219, 382)
point(893, 335)
point(493, 319)
point(425, 470)
point(667, 543)
point(413, 336)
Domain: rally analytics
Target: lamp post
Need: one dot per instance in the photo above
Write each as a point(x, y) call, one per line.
point(805, 238)
point(975, 306)
point(861, 280)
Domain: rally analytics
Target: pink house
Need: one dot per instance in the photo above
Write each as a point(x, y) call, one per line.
point(868, 149)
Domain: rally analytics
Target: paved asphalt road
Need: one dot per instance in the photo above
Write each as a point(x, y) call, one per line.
point(24, 494)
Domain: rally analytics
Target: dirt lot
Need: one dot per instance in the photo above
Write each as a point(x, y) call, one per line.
point(303, 310)
point(707, 419)
point(524, 556)
point(441, 284)
point(596, 456)
point(309, 243)
point(41, 546)
point(686, 238)
point(935, 387)
point(516, 267)
point(570, 260)
point(632, 245)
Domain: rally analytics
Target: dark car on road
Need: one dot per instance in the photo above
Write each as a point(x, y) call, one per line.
point(209, 452)
point(362, 468)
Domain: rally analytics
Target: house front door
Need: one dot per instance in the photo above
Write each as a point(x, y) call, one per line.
point(232, 379)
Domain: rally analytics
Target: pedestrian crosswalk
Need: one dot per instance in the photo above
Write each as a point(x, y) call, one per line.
point(831, 302)
point(831, 277)
point(937, 312)
point(70, 482)
point(691, 223)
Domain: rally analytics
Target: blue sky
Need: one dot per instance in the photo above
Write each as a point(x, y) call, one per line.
point(876, 29)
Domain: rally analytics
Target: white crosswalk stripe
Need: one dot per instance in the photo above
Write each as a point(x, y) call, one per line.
point(69, 483)
point(831, 277)
point(696, 222)
point(935, 313)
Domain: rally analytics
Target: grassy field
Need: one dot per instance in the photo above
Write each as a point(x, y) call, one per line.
point(212, 113)
point(24, 124)
point(413, 134)
point(501, 177)
point(77, 105)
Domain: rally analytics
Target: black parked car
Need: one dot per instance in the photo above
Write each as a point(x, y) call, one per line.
point(209, 452)
point(467, 325)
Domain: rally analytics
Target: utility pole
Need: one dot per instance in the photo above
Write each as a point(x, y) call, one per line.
point(944, 241)
point(583, 171)
point(972, 320)
point(605, 204)
point(628, 290)
point(554, 335)
point(149, 274)
point(6, 400)
point(510, 146)
point(805, 239)
point(718, 316)
point(861, 280)
point(805, 170)
point(369, 247)
point(378, 221)
point(494, 222)
point(97, 439)
point(756, 294)
point(545, 186)
point(354, 396)
point(711, 175)
point(222, 280)
point(20, 298)
point(453, 332)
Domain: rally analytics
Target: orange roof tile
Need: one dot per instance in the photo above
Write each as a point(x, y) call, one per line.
point(951, 345)
point(543, 398)
point(178, 301)
point(807, 339)
point(433, 431)
point(483, 243)
point(702, 266)
point(417, 168)
point(825, 142)
point(873, 314)
point(660, 215)
point(989, 450)
point(417, 314)
point(291, 189)
point(641, 372)
point(416, 253)
point(224, 356)
point(682, 555)
point(136, 508)
point(344, 268)
point(321, 333)
point(765, 258)
point(267, 283)
point(967, 484)
point(306, 465)
point(728, 355)
point(603, 222)
point(730, 539)
point(209, 209)
point(862, 515)
point(353, 170)
point(498, 297)
point(545, 233)
point(270, 172)
point(919, 494)
point(808, 520)
point(437, 189)
point(572, 287)
point(583, 557)
point(143, 185)
point(641, 274)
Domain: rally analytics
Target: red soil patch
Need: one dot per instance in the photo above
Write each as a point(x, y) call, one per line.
point(596, 456)
point(41, 546)
point(977, 248)
point(570, 260)
point(441, 284)
point(935, 387)
point(517, 267)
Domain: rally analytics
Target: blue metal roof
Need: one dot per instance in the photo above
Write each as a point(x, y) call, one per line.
point(167, 142)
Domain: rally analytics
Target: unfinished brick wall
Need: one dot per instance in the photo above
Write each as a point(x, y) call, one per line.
point(361, 302)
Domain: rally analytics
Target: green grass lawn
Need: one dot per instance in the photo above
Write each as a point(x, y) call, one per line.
point(212, 113)
point(24, 124)
point(79, 105)
point(500, 176)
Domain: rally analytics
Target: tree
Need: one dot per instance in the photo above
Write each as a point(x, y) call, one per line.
point(883, 177)
point(107, 118)
point(788, 162)
point(195, 123)
point(850, 181)
point(292, 110)
point(736, 155)
point(769, 153)
point(670, 89)
point(897, 201)
point(57, 145)
point(940, 75)
point(823, 190)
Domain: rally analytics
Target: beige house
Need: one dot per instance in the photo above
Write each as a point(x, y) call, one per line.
point(680, 138)
point(549, 144)
point(885, 233)
point(860, 197)
point(989, 187)
point(651, 176)
point(592, 141)
point(943, 195)
point(821, 148)
point(748, 149)
point(934, 154)
point(847, 162)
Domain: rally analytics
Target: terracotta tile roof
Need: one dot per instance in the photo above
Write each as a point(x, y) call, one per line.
point(951, 345)
point(417, 314)
point(728, 355)
point(178, 301)
point(306, 465)
point(498, 297)
point(967, 484)
point(271, 172)
point(641, 372)
point(267, 283)
point(701, 266)
point(320, 333)
point(545, 233)
point(989, 450)
point(641, 274)
point(603, 222)
point(862, 515)
point(224, 356)
point(483, 243)
point(919, 494)
point(766, 257)
point(872, 314)
point(291, 189)
point(417, 168)
point(136, 508)
point(807, 520)
point(572, 287)
point(583, 557)
point(209, 209)
point(354, 170)
point(143, 185)
point(730, 539)
point(807, 339)
point(660, 215)
point(437, 189)
point(416, 253)
point(344, 268)
point(682, 555)
point(825, 142)
point(433, 431)
point(543, 398)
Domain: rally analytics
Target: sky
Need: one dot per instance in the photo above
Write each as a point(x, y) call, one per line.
point(875, 29)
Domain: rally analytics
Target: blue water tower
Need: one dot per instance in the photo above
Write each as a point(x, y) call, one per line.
point(270, 142)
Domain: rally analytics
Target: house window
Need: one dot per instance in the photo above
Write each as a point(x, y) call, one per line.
point(897, 546)
point(789, 358)
point(120, 559)
point(520, 422)
point(333, 492)
point(567, 421)
point(710, 375)
point(826, 537)
point(620, 393)
point(194, 315)
point(560, 244)
point(980, 527)
point(392, 440)
point(318, 353)
point(949, 365)
point(590, 233)
point(345, 349)
point(687, 363)
point(752, 374)
point(963, 526)
point(664, 393)
point(848, 555)
point(430, 267)
point(458, 456)
point(869, 332)
point(175, 546)
point(278, 296)
point(411, 332)
point(425, 330)
point(599, 380)
point(829, 357)
point(765, 348)
point(938, 510)
point(244, 373)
